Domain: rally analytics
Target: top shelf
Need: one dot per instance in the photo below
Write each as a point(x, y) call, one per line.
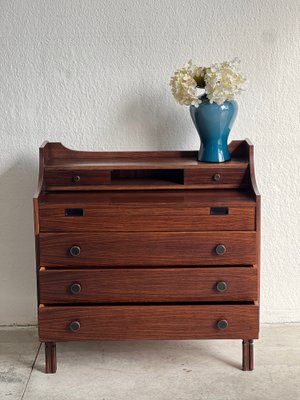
point(62, 169)
point(139, 163)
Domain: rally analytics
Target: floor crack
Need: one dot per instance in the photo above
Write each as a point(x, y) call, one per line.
point(30, 373)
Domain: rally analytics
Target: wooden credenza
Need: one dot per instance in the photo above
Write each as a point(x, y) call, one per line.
point(146, 245)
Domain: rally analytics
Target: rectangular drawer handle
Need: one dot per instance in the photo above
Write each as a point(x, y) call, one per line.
point(219, 211)
point(74, 212)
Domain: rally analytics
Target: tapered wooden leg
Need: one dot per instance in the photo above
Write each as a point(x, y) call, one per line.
point(50, 358)
point(248, 361)
point(251, 355)
point(245, 355)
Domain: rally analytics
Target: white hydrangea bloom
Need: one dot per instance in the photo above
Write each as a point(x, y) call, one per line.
point(223, 81)
point(184, 86)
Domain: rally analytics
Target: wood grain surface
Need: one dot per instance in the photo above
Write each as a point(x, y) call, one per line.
point(148, 285)
point(147, 248)
point(236, 175)
point(158, 217)
point(173, 198)
point(148, 322)
point(66, 177)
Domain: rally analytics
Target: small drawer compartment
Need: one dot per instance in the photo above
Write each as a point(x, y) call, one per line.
point(147, 248)
point(115, 322)
point(73, 178)
point(218, 176)
point(148, 285)
point(147, 177)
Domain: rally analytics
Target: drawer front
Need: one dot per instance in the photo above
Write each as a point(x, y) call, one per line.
point(148, 285)
point(147, 248)
point(218, 176)
point(76, 178)
point(148, 322)
point(59, 218)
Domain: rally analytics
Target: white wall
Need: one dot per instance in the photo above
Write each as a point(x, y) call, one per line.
point(94, 75)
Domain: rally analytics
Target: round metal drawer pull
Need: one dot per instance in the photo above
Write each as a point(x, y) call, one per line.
point(221, 286)
point(220, 249)
point(76, 178)
point(216, 177)
point(222, 324)
point(75, 288)
point(74, 326)
point(75, 251)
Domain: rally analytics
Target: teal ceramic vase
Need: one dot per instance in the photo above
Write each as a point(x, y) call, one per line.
point(213, 123)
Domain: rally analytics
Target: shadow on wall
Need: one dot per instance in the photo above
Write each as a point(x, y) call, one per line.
point(17, 253)
point(154, 126)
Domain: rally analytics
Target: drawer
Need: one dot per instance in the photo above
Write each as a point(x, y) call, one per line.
point(124, 217)
point(148, 285)
point(75, 178)
point(148, 322)
point(147, 248)
point(219, 176)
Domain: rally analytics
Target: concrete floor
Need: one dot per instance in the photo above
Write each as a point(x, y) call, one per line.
point(145, 370)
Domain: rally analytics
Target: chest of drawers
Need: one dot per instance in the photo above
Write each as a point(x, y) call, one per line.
point(146, 245)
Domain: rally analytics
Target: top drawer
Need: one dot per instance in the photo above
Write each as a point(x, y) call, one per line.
point(211, 210)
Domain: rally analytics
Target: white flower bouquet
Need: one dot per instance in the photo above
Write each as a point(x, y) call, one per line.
point(220, 81)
